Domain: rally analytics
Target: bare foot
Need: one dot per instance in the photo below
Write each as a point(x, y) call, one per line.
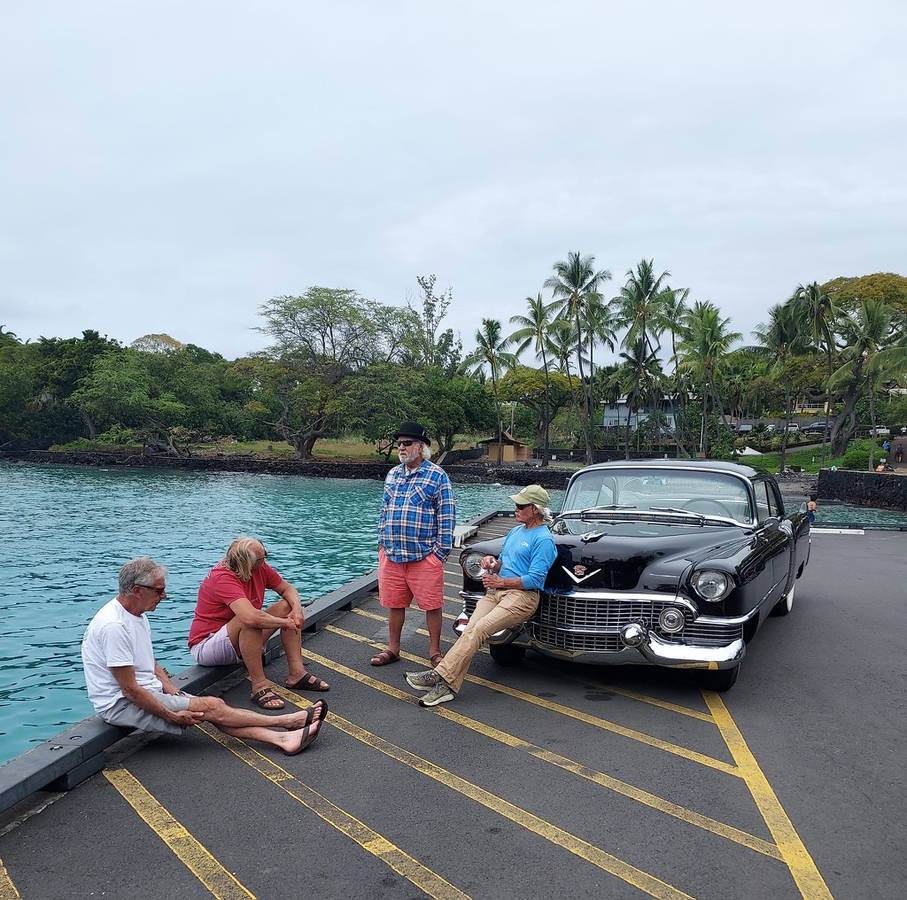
point(293, 742)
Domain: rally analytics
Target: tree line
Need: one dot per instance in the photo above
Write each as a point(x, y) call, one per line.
point(338, 363)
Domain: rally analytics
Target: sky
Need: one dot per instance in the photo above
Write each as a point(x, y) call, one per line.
point(168, 167)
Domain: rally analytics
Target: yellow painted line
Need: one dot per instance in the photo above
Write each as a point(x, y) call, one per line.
point(371, 841)
point(595, 721)
point(793, 852)
point(7, 888)
point(368, 614)
point(569, 765)
point(423, 631)
point(193, 855)
point(632, 695)
point(651, 885)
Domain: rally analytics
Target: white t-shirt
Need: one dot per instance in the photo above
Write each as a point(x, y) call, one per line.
point(115, 637)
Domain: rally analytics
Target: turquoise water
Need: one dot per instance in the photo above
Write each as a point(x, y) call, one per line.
point(845, 513)
point(65, 531)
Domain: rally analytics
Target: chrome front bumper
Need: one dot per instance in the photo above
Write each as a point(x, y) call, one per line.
point(630, 643)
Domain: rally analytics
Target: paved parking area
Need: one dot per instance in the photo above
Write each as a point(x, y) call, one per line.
point(540, 780)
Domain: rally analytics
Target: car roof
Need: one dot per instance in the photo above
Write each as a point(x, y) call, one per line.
point(712, 465)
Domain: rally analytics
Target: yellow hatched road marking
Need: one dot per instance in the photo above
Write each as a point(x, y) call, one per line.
point(632, 695)
point(7, 888)
point(595, 721)
point(651, 885)
point(804, 871)
point(401, 862)
point(569, 765)
point(188, 850)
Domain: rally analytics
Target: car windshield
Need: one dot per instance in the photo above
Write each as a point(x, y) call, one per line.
point(705, 493)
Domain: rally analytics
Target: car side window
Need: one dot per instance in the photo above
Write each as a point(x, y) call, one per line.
point(775, 501)
point(763, 509)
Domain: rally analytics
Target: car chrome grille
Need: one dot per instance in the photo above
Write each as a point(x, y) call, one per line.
point(579, 622)
point(585, 623)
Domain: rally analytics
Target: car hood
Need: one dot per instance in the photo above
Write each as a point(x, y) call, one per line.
point(637, 555)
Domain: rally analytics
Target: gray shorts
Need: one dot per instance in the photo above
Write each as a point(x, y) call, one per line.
point(215, 650)
point(127, 715)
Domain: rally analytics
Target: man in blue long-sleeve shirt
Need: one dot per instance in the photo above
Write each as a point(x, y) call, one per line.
point(512, 583)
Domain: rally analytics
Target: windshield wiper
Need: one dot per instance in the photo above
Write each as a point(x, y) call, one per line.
point(677, 509)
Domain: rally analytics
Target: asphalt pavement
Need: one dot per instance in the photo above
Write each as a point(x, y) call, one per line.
point(540, 780)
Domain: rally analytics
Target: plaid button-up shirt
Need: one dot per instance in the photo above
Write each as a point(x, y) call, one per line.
point(418, 513)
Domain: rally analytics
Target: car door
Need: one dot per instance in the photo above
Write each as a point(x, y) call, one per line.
point(776, 534)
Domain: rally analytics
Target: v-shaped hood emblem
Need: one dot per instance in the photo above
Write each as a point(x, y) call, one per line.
point(578, 573)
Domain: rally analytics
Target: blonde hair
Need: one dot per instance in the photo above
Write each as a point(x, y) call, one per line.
point(242, 555)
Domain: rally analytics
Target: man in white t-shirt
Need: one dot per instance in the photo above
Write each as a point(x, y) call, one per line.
point(127, 687)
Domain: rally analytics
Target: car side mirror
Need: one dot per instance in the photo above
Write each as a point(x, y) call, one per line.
point(803, 507)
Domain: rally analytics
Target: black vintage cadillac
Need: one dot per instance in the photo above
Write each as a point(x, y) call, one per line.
point(659, 562)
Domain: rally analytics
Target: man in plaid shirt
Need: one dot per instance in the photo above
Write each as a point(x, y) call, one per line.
point(415, 534)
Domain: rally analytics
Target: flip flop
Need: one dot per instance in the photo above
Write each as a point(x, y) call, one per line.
point(307, 741)
point(309, 682)
point(385, 658)
point(264, 696)
point(315, 713)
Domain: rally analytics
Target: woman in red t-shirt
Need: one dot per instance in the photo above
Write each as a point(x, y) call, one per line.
point(230, 626)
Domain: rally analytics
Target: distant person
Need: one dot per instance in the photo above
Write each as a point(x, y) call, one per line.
point(230, 626)
point(415, 534)
point(811, 507)
point(886, 445)
point(512, 584)
point(899, 453)
point(127, 687)
point(882, 466)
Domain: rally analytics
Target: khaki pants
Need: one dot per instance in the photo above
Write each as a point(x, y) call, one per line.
point(496, 610)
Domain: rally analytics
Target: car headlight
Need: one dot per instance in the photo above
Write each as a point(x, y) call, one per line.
point(711, 586)
point(472, 565)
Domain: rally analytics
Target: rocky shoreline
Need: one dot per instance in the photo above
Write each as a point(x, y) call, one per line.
point(476, 473)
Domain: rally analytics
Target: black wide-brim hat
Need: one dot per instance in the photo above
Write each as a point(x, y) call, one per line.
point(413, 430)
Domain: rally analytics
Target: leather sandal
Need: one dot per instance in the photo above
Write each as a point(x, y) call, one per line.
point(266, 696)
point(385, 658)
point(435, 659)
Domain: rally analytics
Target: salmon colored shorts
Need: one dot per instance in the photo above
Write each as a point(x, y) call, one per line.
point(399, 583)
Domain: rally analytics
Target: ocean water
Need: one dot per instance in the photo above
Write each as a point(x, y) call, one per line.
point(65, 531)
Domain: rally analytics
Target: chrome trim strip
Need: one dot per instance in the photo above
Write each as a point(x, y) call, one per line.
point(629, 597)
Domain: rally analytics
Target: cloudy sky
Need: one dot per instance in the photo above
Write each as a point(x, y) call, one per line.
point(167, 167)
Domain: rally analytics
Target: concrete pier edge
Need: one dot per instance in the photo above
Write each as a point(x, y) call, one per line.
point(73, 755)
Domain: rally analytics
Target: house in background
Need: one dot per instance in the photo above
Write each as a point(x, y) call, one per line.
point(615, 414)
point(512, 450)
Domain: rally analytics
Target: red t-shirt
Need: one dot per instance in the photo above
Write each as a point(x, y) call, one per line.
point(222, 587)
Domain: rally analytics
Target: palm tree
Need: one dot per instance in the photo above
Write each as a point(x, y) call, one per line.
point(534, 330)
point(874, 351)
point(669, 313)
point(491, 350)
point(641, 378)
point(562, 343)
point(784, 337)
point(819, 311)
point(704, 344)
point(640, 305)
point(575, 286)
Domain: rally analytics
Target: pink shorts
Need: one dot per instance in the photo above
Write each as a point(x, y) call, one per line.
point(215, 650)
point(399, 583)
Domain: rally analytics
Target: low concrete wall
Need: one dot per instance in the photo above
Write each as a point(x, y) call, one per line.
point(883, 489)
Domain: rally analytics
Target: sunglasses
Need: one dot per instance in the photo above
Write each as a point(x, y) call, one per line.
point(161, 592)
point(522, 505)
point(405, 443)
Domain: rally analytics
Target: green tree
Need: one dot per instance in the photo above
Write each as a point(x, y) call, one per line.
point(534, 331)
point(641, 379)
point(703, 348)
point(575, 286)
point(426, 345)
point(545, 393)
point(492, 351)
point(818, 311)
point(782, 339)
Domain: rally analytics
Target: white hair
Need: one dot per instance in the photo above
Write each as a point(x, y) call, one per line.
point(426, 450)
point(544, 512)
point(142, 572)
